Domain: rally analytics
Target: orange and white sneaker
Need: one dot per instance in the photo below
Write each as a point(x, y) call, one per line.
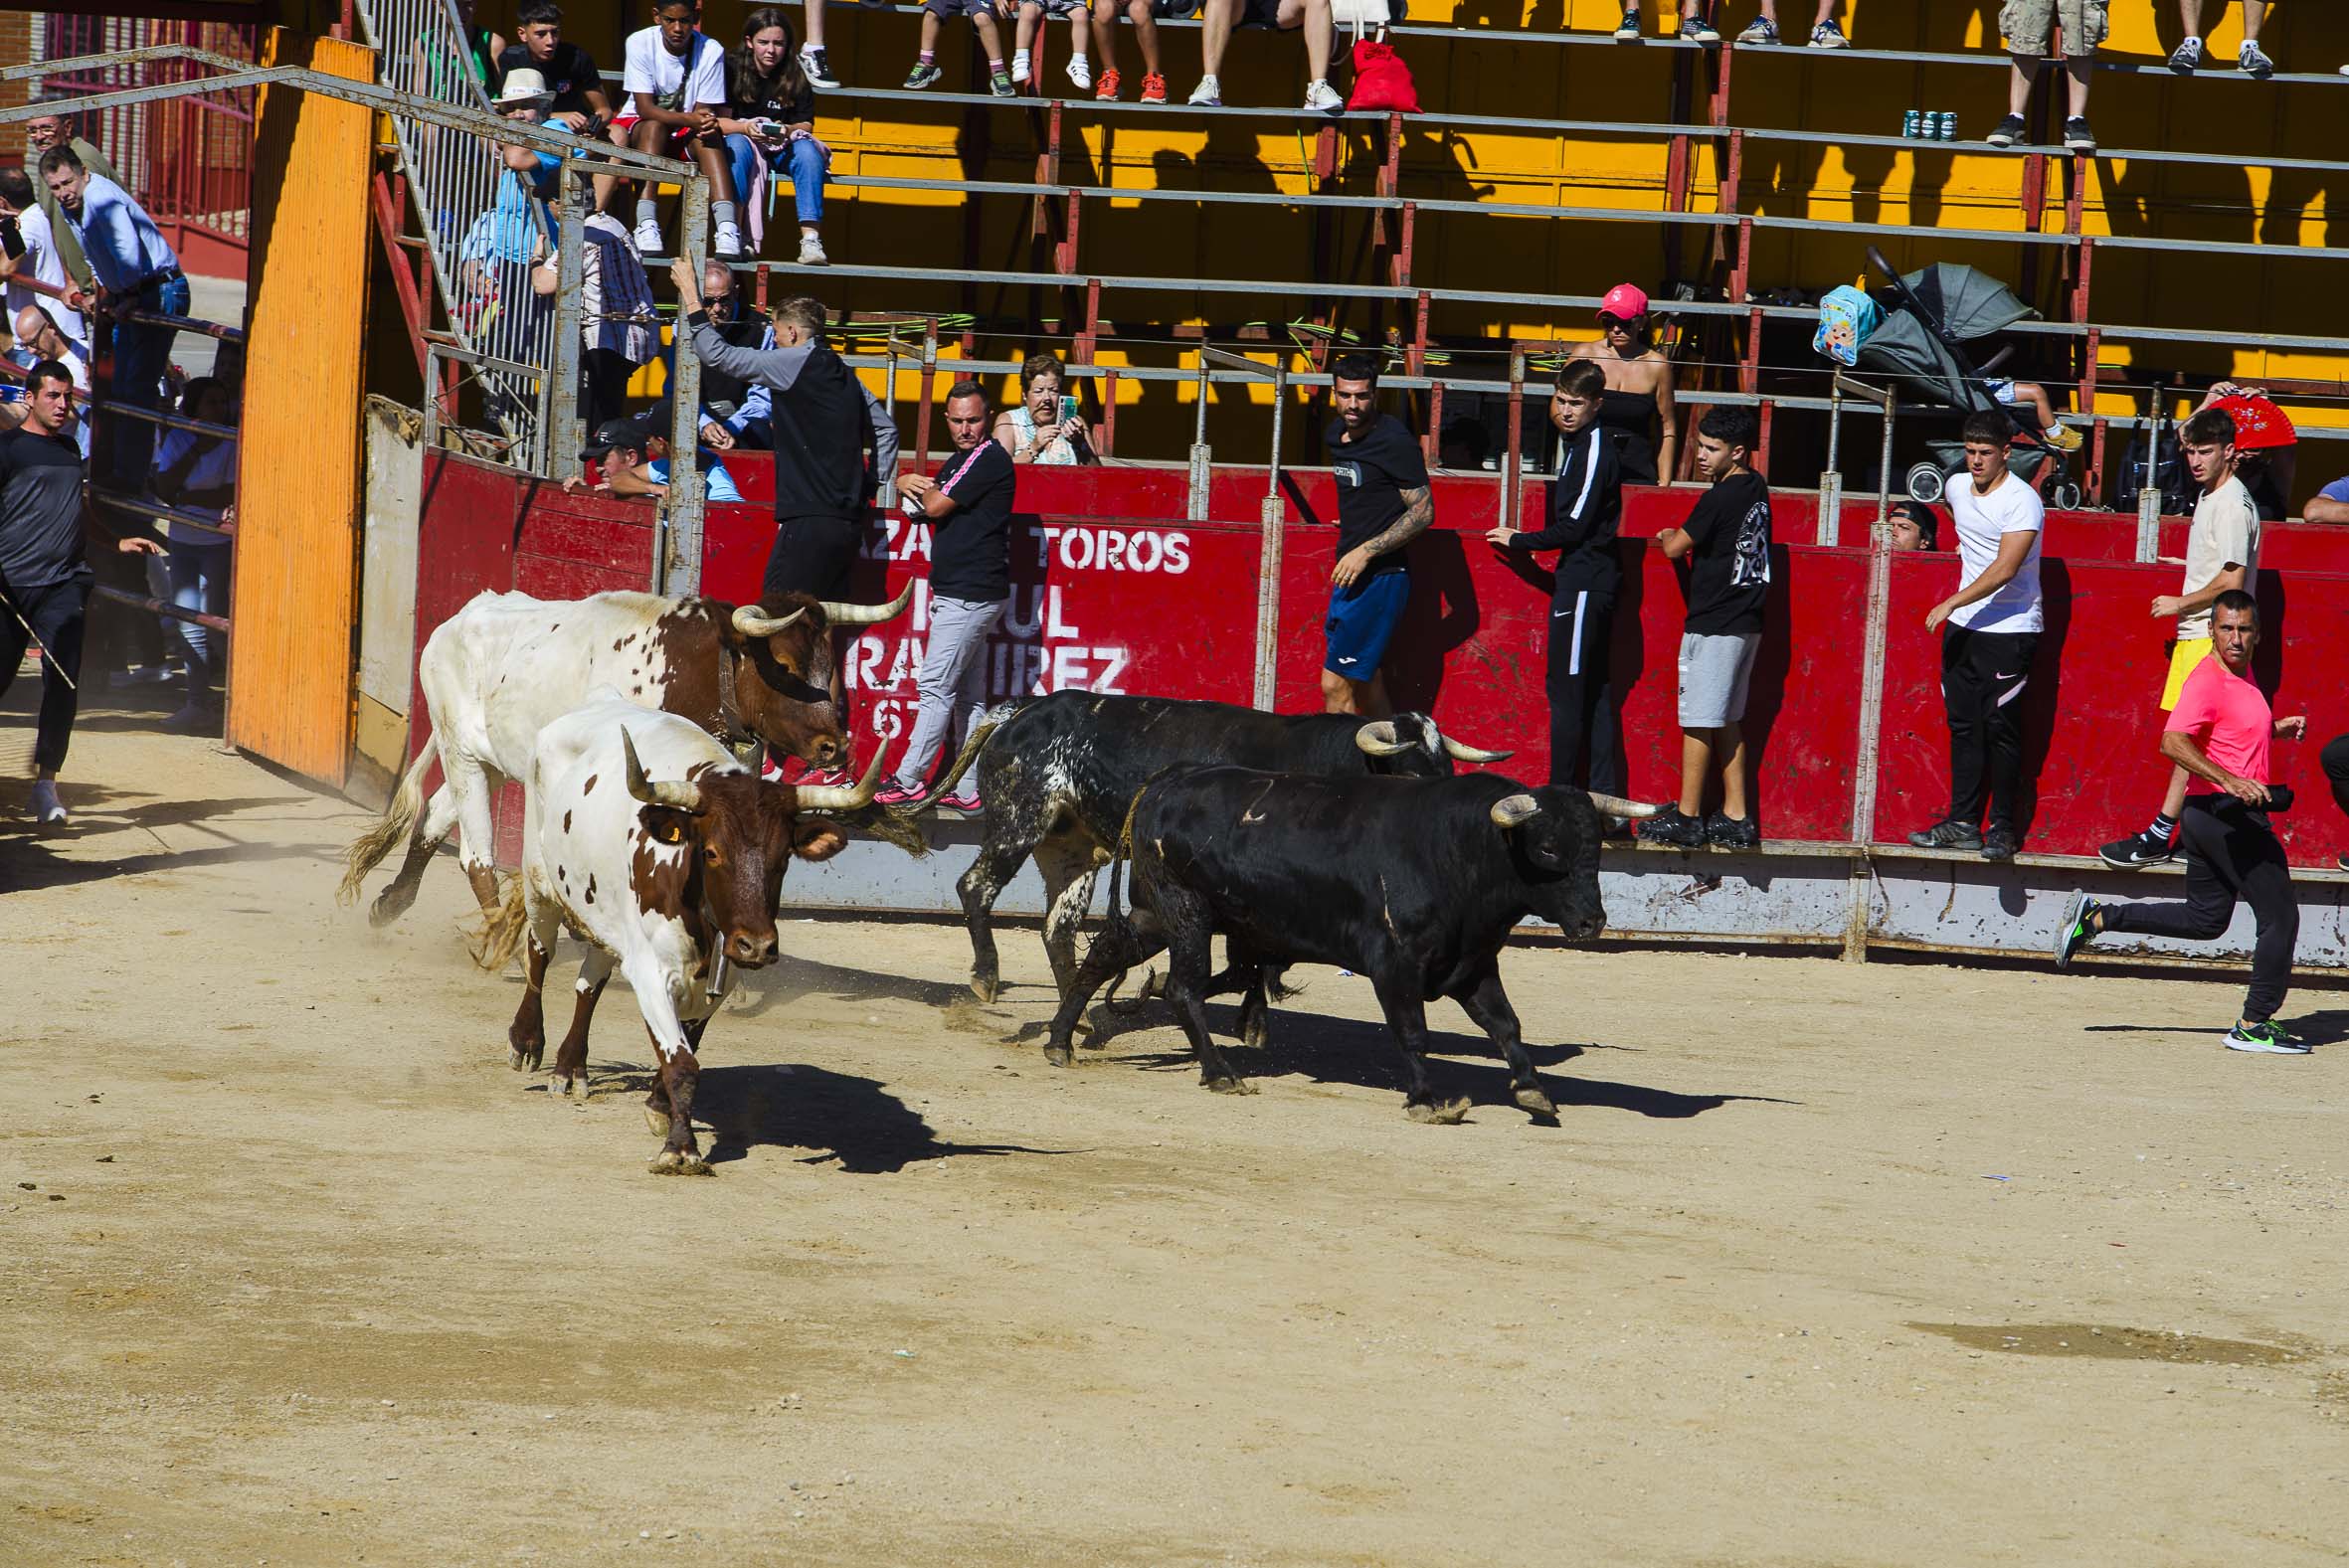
point(1154, 88)
point(1106, 89)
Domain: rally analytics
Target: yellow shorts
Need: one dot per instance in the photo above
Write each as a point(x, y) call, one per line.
point(2190, 651)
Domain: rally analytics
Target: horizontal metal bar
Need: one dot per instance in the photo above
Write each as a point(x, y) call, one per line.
point(209, 329)
point(164, 418)
point(122, 56)
point(449, 348)
point(146, 506)
point(157, 606)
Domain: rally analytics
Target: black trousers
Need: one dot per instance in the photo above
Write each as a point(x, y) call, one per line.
point(2335, 761)
point(810, 555)
point(605, 373)
point(57, 612)
point(1586, 727)
point(1983, 674)
point(2230, 853)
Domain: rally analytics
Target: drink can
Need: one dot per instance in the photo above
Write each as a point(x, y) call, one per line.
point(1911, 124)
point(1948, 125)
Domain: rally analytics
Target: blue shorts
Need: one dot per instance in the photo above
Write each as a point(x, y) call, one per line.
point(1361, 621)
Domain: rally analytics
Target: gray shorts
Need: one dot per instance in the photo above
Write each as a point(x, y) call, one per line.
point(1714, 672)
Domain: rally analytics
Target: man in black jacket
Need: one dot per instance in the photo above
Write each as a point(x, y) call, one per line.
point(1585, 511)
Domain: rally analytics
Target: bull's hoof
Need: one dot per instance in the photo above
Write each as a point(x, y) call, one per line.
point(657, 1120)
point(1058, 1056)
point(560, 1085)
point(1530, 1096)
point(987, 987)
point(1449, 1113)
point(1093, 1032)
point(1256, 1033)
point(1229, 1085)
point(678, 1162)
point(387, 909)
point(523, 1057)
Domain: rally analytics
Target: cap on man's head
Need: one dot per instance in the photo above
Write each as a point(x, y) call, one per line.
point(622, 435)
point(523, 85)
point(1625, 302)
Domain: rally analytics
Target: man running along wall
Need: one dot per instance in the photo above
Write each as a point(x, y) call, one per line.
point(1384, 502)
point(1989, 632)
point(2219, 733)
point(2222, 555)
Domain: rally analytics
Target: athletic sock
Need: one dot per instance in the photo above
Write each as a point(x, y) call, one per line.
point(2163, 826)
point(1077, 58)
point(928, 56)
point(721, 215)
point(994, 65)
point(647, 211)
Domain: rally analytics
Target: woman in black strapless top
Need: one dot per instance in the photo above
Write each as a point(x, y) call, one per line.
point(1629, 419)
point(1636, 411)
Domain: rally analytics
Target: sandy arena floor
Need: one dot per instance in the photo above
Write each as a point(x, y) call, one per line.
point(1826, 1264)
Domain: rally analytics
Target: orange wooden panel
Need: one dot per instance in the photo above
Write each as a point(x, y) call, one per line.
point(299, 475)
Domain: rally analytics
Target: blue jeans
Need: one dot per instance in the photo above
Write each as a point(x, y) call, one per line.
point(801, 163)
point(200, 582)
point(142, 355)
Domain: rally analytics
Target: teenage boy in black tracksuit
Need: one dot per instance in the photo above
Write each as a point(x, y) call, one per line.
point(1585, 511)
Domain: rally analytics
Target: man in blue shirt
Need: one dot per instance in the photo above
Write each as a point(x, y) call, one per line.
point(136, 272)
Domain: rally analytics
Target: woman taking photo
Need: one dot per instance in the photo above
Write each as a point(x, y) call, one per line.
point(1636, 411)
point(769, 89)
point(1044, 426)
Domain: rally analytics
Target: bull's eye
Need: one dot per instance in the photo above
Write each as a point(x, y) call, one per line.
point(709, 856)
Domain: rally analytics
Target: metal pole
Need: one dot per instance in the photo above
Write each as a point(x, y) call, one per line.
point(562, 429)
point(1509, 476)
point(679, 568)
point(1272, 526)
point(1831, 482)
point(1872, 709)
point(431, 394)
point(1884, 468)
point(2149, 488)
point(1200, 459)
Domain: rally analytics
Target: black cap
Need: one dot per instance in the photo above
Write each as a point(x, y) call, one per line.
point(633, 434)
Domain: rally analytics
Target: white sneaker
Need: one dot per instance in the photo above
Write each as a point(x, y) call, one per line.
point(48, 810)
point(812, 252)
point(1321, 98)
point(1080, 73)
point(1208, 94)
point(649, 242)
point(1020, 59)
point(728, 241)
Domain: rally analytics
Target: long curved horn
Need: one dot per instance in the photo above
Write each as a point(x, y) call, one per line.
point(842, 614)
point(1511, 809)
point(1461, 753)
point(751, 624)
point(684, 796)
point(843, 797)
point(1377, 738)
point(1616, 806)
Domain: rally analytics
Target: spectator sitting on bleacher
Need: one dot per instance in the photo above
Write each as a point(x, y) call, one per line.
point(633, 456)
point(1146, 38)
point(935, 15)
point(2250, 58)
point(1311, 16)
point(773, 125)
point(734, 412)
point(199, 472)
point(1045, 427)
point(1695, 27)
point(1032, 14)
point(28, 251)
point(2330, 504)
point(568, 73)
point(1638, 413)
point(1824, 34)
point(38, 339)
point(615, 315)
point(675, 78)
point(2030, 27)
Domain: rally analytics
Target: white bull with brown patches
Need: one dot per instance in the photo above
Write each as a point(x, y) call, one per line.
point(666, 854)
point(500, 670)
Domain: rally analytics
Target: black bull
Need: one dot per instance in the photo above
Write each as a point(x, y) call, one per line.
point(1415, 884)
point(1057, 775)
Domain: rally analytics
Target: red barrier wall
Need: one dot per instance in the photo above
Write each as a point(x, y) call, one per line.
point(1104, 601)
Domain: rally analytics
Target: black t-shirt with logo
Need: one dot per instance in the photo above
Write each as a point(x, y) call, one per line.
point(1729, 570)
point(971, 548)
point(569, 72)
point(754, 99)
point(1373, 470)
point(40, 508)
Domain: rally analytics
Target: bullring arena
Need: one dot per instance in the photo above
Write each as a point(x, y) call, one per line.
point(1838, 1192)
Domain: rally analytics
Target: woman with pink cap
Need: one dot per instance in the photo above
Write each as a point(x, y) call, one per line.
point(1635, 410)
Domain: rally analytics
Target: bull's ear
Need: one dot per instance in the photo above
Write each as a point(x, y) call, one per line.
point(665, 823)
point(817, 838)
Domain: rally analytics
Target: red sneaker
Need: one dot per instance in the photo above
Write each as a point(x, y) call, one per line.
point(964, 805)
point(900, 797)
point(1106, 88)
point(824, 778)
point(1153, 88)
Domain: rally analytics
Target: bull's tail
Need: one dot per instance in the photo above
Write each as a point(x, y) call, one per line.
point(501, 928)
point(986, 727)
point(398, 820)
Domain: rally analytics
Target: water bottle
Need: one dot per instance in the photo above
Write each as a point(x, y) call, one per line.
point(1911, 124)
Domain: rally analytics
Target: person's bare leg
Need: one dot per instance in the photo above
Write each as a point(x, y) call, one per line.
point(2173, 799)
point(814, 24)
point(1080, 32)
point(1319, 28)
point(1146, 34)
point(1826, 12)
point(929, 43)
point(2018, 82)
point(991, 38)
point(1730, 738)
point(1370, 698)
point(710, 153)
point(2254, 16)
point(1336, 693)
point(1695, 762)
point(2190, 17)
point(2079, 67)
point(1024, 34)
point(1106, 36)
point(1215, 24)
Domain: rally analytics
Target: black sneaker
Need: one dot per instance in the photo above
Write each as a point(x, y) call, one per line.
point(1999, 844)
point(2077, 930)
point(2076, 135)
point(1948, 833)
point(1671, 827)
point(2186, 57)
point(2265, 1037)
point(1731, 833)
point(2136, 852)
point(2006, 132)
point(818, 68)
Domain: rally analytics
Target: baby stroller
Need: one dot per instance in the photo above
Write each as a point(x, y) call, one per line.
point(1928, 317)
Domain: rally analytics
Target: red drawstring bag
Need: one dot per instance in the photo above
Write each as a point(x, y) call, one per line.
point(1380, 78)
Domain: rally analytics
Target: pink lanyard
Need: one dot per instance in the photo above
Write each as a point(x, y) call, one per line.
point(948, 483)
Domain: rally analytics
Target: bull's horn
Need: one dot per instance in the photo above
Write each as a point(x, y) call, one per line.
point(751, 624)
point(1511, 809)
point(1461, 753)
point(1614, 805)
point(842, 797)
point(867, 615)
point(1377, 738)
point(684, 796)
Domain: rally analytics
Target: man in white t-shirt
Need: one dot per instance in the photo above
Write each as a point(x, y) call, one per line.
point(2222, 553)
point(1989, 634)
point(674, 76)
point(28, 251)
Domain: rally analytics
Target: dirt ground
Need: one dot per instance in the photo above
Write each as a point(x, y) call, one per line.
point(1825, 1264)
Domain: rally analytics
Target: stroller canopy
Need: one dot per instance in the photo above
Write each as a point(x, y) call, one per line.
point(1927, 314)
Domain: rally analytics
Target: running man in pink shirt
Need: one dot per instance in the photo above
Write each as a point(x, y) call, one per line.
point(2219, 734)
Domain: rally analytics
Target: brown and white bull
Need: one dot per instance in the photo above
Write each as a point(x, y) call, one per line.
point(665, 853)
point(500, 670)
